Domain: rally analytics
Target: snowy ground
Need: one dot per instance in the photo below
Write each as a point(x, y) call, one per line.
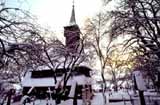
point(97, 100)
point(151, 99)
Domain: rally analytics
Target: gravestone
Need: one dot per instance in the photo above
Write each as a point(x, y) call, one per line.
point(140, 85)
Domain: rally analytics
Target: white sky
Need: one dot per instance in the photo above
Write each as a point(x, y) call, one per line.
point(56, 13)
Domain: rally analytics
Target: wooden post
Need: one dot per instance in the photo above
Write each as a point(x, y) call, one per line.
point(58, 96)
point(141, 96)
point(9, 100)
point(75, 97)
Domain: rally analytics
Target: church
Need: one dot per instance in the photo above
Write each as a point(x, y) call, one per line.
point(42, 84)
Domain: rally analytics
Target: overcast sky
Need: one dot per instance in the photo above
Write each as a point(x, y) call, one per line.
point(56, 13)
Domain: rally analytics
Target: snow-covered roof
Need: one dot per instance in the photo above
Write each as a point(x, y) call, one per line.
point(28, 81)
point(46, 67)
point(43, 82)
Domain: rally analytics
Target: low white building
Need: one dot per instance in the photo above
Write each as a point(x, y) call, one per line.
point(41, 83)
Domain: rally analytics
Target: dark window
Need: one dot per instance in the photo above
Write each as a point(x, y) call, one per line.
point(82, 70)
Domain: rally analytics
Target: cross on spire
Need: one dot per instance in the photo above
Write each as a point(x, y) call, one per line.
point(73, 2)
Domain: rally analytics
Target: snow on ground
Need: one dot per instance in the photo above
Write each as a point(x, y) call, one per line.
point(150, 97)
point(121, 103)
point(51, 102)
point(98, 99)
point(120, 95)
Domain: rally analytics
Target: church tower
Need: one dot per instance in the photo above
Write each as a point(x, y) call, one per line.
point(72, 33)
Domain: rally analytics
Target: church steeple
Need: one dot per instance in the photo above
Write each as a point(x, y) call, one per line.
point(72, 19)
point(72, 33)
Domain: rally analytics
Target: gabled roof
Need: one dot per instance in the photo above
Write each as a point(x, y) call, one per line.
point(46, 82)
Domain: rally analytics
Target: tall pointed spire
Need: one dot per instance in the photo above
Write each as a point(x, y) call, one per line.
point(72, 19)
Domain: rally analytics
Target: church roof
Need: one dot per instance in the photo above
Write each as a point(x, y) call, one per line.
point(28, 81)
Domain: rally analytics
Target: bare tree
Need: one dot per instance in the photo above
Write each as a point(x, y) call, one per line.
point(100, 43)
point(119, 65)
point(140, 20)
point(55, 55)
point(108, 51)
point(16, 27)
